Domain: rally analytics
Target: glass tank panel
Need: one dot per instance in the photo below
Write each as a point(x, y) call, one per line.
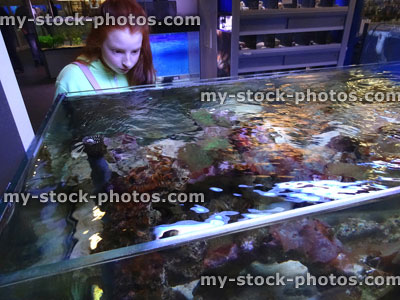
point(350, 254)
point(250, 164)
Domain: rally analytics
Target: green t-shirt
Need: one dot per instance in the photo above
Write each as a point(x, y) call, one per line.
point(71, 79)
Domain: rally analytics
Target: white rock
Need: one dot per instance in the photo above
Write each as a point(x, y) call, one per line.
point(169, 147)
point(289, 269)
point(186, 289)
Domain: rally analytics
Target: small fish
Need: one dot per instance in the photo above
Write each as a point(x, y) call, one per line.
point(244, 186)
point(200, 209)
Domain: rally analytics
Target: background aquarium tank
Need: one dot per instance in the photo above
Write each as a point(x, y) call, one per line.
point(307, 189)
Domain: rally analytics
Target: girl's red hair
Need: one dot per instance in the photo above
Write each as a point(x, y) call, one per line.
point(143, 72)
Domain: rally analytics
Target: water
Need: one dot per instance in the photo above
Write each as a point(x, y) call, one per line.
point(249, 160)
point(175, 53)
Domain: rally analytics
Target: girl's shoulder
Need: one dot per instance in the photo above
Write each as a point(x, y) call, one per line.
point(72, 79)
point(69, 71)
point(70, 74)
point(73, 69)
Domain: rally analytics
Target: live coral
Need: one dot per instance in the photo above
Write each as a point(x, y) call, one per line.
point(311, 238)
point(159, 173)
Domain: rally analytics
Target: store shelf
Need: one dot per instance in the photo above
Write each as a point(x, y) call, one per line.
point(273, 22)
point(291, 30)
point(289, 50)
point(277, 21)
point(271, 59)
point(288, 21)
point(286, 67)
point(339, 10)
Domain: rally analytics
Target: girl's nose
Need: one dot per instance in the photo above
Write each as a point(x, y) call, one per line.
point(127, 62)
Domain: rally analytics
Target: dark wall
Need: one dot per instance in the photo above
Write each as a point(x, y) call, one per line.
point(11, 148)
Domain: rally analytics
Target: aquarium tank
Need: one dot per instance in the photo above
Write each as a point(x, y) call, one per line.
point(174, 53)
point(54, 37)
point(307, 190)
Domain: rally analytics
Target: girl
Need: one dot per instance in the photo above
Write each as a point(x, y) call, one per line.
point(114, 56)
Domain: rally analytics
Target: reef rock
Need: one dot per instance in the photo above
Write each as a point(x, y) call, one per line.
point(186, 289)
point(289, 269)
point(218, 257)
point(167, 147)
point(356, 228)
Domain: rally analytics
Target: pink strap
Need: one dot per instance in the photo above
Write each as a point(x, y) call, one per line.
point(88, 74)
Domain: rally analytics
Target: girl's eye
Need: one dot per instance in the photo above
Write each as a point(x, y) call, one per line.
point(135, 51)
point(118, 51)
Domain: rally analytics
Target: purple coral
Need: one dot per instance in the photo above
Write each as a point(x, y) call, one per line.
point(311, 238)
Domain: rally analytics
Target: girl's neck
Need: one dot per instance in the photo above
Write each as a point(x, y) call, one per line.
point(106, 67)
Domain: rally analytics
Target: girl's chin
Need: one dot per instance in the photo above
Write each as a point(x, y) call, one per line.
point(122, 71)
point(119, 70)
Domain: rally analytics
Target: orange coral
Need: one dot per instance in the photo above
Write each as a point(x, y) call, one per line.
point(159, 173)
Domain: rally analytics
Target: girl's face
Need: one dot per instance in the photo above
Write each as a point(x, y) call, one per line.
point(121, 49)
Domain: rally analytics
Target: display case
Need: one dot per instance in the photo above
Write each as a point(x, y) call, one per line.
point(264, 36)
point(285, 187)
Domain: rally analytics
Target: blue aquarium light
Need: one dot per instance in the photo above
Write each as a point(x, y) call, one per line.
point(342, 2)
point(225, 6)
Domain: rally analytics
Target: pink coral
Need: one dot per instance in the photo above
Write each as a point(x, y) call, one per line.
point(311, 238)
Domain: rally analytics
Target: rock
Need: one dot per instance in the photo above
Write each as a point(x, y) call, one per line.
point(344, 144)
point(167, 147)
point(194, 158)
point(184, 264)
point(354, 270)
point(343, 293)
point(216, 131)
point(76, 171)
point(141, 277)
point(214, 143)
point(203, 118)
point(324, 138)
point(280, 160)
point(356, 228)
point(50, 234)
point(220, 256)
point(347, 169)
point(186, 289)
point(289, 269)
point(251, 293)
point(88, 225)
point(245, 109)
